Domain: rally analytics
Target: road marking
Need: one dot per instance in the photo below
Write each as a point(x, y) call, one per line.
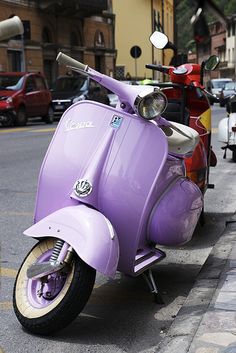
point(8, 272)
point(11, 273)
point(5, 306)
point(11, 213)
point(28, 129)
point(5, 131)
point(43, 130)
point(214, 130)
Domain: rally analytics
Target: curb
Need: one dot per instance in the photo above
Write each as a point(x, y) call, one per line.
point(184, 327)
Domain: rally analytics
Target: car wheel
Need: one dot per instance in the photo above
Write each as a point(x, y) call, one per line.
point(49, 118)
point(21, 118)
point(8, 120)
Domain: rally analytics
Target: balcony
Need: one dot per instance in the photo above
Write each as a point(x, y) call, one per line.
point(78, 8)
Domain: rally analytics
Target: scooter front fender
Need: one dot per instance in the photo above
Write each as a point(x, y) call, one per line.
point(88, 231)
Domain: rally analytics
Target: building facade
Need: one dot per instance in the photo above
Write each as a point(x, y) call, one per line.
point(218, 46)
point(222, 42)
point(83, 29)
point(135, 20)
point(230, 69)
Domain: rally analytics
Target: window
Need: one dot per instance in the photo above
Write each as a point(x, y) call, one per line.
point(46, 36)
point(11, 82)
point(70, 83)
point(94, 86)
point(99, 39)
point(15, 60)
point(40, 85)
point(74, 39)
point(120, 72)
point(30, 84)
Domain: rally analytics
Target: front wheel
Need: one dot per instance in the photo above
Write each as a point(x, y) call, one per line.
point(21, 117)
point(46, 305)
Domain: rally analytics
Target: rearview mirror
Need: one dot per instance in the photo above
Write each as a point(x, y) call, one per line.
point(159, 40)
point(211, 63)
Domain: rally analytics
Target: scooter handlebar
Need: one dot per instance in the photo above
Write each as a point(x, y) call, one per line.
point(11, 27)
point(66, 60)
point(161, 68)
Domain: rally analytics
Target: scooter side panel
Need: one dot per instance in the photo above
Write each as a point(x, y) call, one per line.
point(232, 124)
point(89, 233)
point(174, 217)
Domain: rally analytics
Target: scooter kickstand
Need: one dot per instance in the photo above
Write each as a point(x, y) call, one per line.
point(152, 285)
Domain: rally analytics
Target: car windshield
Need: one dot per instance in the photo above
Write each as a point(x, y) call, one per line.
point(230, 86)
point(70, 84)
point(218, 84)
point(11, 82)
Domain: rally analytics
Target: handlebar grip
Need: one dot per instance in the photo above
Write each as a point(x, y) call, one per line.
point(11, 27)
point(161, 68)
point(66, 60)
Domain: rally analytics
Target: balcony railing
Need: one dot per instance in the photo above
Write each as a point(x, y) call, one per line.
point(91, 5)
point(74, 7)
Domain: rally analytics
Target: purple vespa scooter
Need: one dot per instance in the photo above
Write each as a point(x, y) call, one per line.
point(112, 186)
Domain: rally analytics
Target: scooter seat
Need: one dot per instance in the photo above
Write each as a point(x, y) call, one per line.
point(182, 139)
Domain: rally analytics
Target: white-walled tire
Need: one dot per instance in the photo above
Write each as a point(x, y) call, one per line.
point(71, 290)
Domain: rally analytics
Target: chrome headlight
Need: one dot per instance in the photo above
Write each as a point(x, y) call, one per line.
point(150, 105)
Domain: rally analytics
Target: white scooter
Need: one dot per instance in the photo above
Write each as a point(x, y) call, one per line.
point(227, 129)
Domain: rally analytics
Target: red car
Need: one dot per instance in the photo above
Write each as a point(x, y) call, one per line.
point(22, 96)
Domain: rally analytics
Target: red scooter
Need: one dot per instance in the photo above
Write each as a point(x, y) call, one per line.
point(188, 104)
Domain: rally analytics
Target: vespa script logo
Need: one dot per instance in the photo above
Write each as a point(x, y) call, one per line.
point(73, 125)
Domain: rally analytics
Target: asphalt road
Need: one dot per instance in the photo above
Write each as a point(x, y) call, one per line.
point(120, 315)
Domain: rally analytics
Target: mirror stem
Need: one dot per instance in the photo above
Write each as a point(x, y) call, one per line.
point(202, 72)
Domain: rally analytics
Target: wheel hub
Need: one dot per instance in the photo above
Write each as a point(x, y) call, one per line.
point(51, 286)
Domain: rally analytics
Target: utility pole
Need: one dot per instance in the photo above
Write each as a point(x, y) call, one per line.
point(152, 30)
point(163, 28)
point(175, 4)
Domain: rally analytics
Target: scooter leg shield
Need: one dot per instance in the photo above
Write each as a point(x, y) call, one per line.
point(223, 130)
point(88, 231)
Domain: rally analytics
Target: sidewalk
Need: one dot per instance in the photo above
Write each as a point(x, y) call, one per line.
point(206, 323)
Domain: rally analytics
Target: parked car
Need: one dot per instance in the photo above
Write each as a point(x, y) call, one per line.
point(228, 91)
point(22, 96)
point(113, 99)
point(67, 90)
point(215, 87)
